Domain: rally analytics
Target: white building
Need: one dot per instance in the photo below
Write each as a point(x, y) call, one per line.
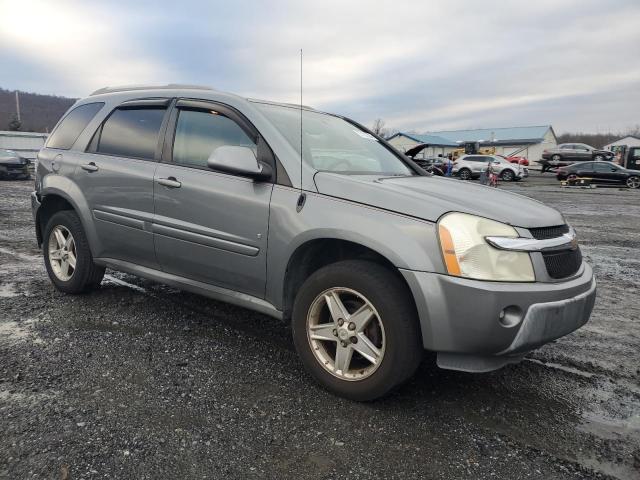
point(527, 142)
point(25, 144)
point(629, 141)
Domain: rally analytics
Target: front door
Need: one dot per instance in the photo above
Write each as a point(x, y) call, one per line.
point(116, 176)
point(210, 226)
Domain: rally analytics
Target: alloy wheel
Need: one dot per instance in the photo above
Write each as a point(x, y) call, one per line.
point(633, 182)
point(62, 253)
point(508, 175)
point(346, 334)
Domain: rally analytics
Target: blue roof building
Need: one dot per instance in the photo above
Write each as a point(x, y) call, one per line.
point(529, 141)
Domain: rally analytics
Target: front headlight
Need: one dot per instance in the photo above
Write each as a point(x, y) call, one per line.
point(466, 253)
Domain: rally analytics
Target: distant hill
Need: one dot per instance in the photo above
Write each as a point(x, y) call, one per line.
point(39, 113)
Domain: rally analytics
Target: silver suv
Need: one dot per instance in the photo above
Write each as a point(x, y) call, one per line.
point(312, 219)
point(468, 167)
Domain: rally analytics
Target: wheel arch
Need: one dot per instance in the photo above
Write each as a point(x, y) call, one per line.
point(62, 194)
point(313, 254)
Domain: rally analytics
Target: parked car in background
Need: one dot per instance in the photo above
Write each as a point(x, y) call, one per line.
point(435, 165)
point(603, 173)
point(13, 165)
point(516, 159)
point(567, 153)
point(469, 167)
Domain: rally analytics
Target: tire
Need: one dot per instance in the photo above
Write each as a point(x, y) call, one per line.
point(393, 329)
point(464, 174)
point(598, 158)
point(86, 275)
point(633, 182)
point(556, 158)
point(508, 175)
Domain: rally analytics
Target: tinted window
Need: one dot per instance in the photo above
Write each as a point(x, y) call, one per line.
point(604, 167)
point(72, 126)
point(566, 146)
point(131, 132)
point(199, 133)
point(585, 167)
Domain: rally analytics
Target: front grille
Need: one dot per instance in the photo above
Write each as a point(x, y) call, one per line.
point(544, 233)
point(562, 264)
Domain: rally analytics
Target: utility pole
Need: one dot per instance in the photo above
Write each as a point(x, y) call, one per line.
point(18, 105)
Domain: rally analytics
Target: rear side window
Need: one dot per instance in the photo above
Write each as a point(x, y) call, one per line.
point(199, 133)
point(130, 132)
point(72, 125)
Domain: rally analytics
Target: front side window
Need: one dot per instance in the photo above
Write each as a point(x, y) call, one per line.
point(330, 143)
point(199, 133)
point(72, 125)
point(131, 132)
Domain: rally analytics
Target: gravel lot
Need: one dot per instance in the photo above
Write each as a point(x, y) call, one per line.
point(137, 380)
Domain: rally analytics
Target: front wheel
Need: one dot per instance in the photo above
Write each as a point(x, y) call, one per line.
point(465, 174)
point(508, 175)
point(633, 182)
point(67, 255)
point(356, 330)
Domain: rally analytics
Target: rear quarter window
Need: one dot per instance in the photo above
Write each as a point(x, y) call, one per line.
point(130, 132)
point(72, 125)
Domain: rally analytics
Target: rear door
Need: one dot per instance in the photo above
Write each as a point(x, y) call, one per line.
point(116, 176)
point(583, 170)
point(211, 226)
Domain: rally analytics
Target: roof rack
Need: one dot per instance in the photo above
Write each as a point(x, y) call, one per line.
point(282, 104)
point(127, 88)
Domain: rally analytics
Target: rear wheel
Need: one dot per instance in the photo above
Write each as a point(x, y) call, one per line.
point(556, 158)
point(598, 157)
point(633, 182)
point(465, 174)
point(356, 329)
point(67, 255)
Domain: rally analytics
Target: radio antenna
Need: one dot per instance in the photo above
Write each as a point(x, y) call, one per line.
point(302, 196)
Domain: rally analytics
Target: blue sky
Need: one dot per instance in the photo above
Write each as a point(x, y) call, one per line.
point(420, 65)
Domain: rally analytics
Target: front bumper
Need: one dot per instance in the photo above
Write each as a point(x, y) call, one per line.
point(9, 170)
point(35, 206)
point(461, 318)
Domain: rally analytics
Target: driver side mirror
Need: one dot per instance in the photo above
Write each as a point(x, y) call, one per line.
point(238, 161)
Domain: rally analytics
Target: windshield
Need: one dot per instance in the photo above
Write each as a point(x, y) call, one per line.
point(332, 144)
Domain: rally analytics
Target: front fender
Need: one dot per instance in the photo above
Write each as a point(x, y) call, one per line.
point(406, 242)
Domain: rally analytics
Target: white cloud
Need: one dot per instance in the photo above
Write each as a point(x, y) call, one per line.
point(418, 64)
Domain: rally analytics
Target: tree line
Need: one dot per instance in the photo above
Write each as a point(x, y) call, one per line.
point(38, 113)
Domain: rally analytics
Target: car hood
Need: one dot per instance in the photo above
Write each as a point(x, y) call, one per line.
point(429, 197)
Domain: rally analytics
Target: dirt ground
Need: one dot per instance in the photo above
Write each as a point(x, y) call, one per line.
point(137, 380)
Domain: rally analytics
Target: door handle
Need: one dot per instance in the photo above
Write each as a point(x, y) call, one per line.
point(170, 182)
point(90, 167)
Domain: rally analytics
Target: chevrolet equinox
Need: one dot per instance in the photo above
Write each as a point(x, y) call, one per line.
point(312, 219)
